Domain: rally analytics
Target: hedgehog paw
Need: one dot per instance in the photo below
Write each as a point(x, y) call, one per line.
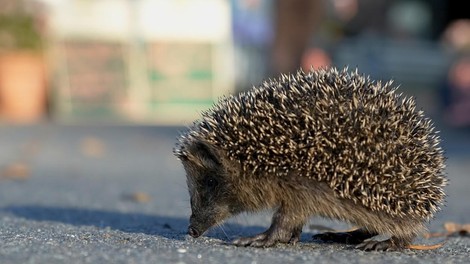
point(269, 238)
point(374, 245)
point(260, 240)
point(352, 237)
point(295, 237)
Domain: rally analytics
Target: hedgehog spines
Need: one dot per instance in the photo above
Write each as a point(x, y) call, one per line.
point(362, 137)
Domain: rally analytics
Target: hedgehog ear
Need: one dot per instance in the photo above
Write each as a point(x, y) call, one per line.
point(203, 155)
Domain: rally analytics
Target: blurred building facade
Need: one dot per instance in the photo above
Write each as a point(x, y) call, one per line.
point(163, 62)
point(143, 61)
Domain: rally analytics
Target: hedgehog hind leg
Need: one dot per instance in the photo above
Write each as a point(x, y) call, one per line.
point(353, 237)
point(394, 243)
point(282, 230)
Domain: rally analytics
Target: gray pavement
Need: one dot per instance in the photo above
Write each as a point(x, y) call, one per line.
point(109, 194)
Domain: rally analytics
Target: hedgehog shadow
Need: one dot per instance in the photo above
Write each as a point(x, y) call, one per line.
point(165, 226)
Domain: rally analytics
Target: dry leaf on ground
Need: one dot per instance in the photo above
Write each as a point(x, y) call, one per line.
point(16, 171)
point(427, 247)
point(451, 229)
point(461, 229)
point(138, 197)
point(92, 147)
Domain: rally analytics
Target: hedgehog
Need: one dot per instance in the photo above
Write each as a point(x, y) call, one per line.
point(326, 142)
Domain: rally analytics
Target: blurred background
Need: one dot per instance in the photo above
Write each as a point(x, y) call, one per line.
point(146, 68)
point(162, 62)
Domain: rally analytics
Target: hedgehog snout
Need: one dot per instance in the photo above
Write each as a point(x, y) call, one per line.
point(192, 231)
point(196, 226)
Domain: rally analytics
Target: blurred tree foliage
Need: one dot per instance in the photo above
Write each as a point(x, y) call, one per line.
point(19, 29)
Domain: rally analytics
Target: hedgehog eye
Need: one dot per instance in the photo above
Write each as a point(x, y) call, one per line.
point(210, 182)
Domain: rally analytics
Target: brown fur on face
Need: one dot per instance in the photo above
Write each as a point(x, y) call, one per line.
point(208, 186)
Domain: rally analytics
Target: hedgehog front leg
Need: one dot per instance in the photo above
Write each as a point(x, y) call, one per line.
point(285, 228)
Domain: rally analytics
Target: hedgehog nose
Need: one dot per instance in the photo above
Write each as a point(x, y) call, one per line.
point(193, 232)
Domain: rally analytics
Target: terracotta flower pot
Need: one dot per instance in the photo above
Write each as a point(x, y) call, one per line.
point(22, 87)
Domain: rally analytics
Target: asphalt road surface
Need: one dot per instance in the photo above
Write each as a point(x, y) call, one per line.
point(108, 194)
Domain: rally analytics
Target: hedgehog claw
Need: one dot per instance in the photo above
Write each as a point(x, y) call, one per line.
point(249, 241)
point(295, 236)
